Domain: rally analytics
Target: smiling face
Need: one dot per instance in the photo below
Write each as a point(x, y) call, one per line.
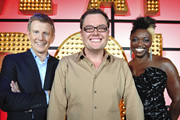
point(95, 41)
point(41, 37)
point(141, 41)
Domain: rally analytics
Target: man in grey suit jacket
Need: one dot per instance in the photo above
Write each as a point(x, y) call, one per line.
point(26, 78)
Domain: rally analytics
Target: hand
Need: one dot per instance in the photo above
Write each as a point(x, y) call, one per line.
point(14, 87)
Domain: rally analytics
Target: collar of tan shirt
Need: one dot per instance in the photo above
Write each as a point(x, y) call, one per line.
point(81, 56)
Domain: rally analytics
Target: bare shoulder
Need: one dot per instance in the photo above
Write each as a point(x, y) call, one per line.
point(162, 60)
point(164, 63)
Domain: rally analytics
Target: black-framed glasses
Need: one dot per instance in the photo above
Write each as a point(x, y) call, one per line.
point(90, 28)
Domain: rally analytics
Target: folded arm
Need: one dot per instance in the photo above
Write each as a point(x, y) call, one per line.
point(12, 99)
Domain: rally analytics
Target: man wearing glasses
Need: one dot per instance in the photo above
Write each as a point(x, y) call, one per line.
point(90, 84)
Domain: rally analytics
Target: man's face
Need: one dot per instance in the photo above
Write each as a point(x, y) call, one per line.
point(40, 36)
point(95, 40)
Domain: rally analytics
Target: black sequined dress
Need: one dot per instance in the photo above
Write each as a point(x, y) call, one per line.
point(150, 86)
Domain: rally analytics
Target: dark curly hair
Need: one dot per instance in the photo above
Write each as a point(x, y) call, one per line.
point(143, 23)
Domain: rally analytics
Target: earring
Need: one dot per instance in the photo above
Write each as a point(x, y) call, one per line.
point(131, 53)
point(150, 56)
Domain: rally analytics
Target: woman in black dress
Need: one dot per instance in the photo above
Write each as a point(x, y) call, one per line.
point(152, 74)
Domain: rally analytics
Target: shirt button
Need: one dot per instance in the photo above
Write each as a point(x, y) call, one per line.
point(95, 107)
point(95, 92)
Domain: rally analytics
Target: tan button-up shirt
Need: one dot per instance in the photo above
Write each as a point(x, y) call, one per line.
point(81, 92)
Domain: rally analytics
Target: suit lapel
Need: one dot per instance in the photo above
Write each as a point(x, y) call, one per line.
point(34, 69)
point(47, 81)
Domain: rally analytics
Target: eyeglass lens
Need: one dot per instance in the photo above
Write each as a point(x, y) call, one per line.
point(100, 28)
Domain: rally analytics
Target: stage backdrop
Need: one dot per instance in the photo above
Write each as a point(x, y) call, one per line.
point(66, 14)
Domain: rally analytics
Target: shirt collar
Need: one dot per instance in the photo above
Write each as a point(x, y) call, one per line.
point(35, 56)
point(81, 56)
